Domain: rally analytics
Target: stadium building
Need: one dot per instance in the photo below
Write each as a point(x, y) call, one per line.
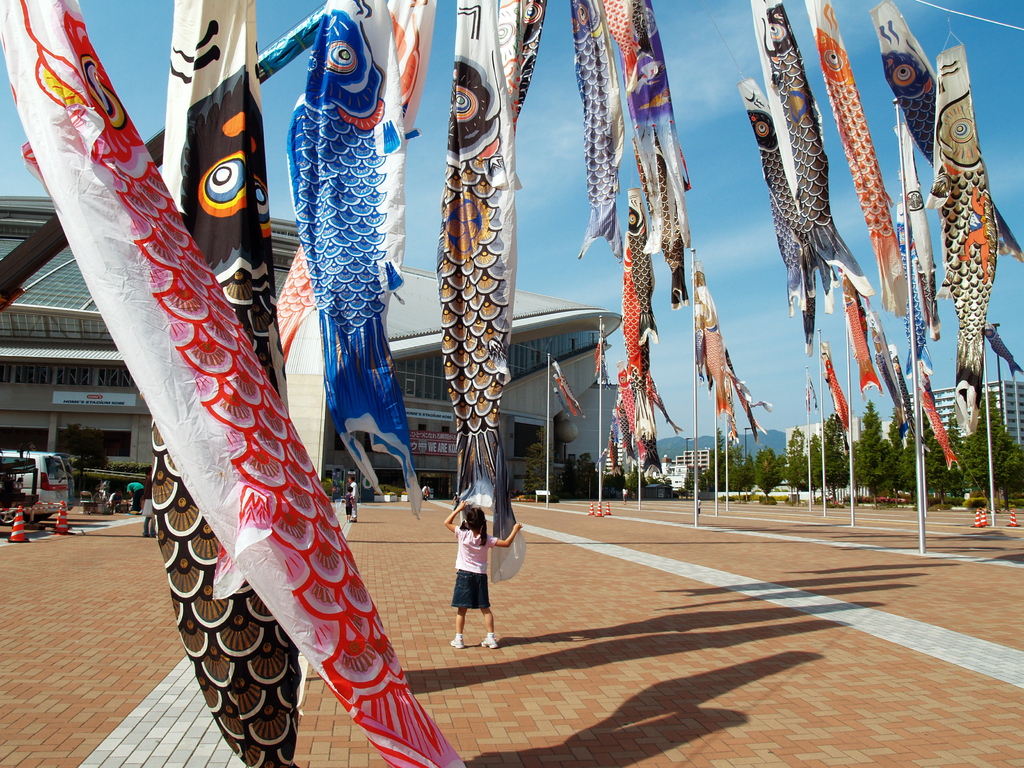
point(59, 366)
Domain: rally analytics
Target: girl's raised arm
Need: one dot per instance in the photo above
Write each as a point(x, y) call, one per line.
point(507, 542)
point(448, 522)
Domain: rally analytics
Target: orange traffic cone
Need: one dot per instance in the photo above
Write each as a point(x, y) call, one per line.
point(607, 509)
point(18, 531)
point(591, 513)
point(980, 519)
point(1013, 520)
point(62, 529)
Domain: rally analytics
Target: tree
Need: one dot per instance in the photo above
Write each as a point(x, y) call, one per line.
point(734, 458)
point(871, 452)
point(815, 448)
point(837, 459)
point(743, 476)
point(940, 478)
point(586, 476)
point(768, 470)
point(796, 462)
point(85, 444)
point(1007, 457)
point(568, 479)
point(900, 473)
point(535, 464)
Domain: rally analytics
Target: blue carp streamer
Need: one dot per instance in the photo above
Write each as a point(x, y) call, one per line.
point(347, 169)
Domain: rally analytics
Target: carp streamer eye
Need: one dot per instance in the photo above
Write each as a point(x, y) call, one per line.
point(583, 17)
point(833, 60)
point(962, 130)
point(341, 58)
point(222, 188)
point(103, 96)
point(904, 75)
point(262, 205)
point(466, 105)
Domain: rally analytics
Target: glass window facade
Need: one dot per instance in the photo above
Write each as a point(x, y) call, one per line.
point(424, 378)
point(74, 376)
point(530, 356)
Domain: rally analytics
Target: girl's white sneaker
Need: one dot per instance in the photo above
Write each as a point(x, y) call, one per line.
point(489, 642)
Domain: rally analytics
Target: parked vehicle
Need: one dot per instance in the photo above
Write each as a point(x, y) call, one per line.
point(37, 481)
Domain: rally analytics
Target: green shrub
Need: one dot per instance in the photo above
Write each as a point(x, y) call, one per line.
point(976, 502)
point(137, 467)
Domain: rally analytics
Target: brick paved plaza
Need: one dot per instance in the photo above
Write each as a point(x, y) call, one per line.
point(768, 636)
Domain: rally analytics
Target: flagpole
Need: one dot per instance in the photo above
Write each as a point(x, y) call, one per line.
point(639, 478)
point(821, 413)
point(849, 431)
point(910, 270)
point(727, 448)
point(600, 407)
point(716, 469)
point(696, 430)
point(547, 443)
point(807, 443)
point(988, 427)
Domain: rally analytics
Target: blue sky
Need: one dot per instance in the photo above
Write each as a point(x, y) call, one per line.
point(728, 205)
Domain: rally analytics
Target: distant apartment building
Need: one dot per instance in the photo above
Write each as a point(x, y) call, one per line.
point(1009, 399)
point(679, 470)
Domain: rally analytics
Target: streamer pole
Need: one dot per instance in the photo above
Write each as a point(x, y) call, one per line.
point(910, 268)
point(821, 413)
point(849, 431)
point(696, 431)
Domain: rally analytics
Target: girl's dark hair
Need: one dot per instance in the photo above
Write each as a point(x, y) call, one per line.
point(476, 522)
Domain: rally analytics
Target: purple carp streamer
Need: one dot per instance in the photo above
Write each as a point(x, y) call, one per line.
point(476, 263)
point(215, 165)
point(887, 372)
point(912, 79)
point(413, 22)
point(860, 152)
point(969, 239)
point(649, 98)
point(235, 446)
point(1000, 349)
point(346, 149)
point(791, 228)
point(801, 144)
point(603, 126)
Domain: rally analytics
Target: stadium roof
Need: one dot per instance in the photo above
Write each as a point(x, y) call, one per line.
point(56, 315)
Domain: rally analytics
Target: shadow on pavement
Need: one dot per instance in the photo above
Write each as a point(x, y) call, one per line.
point(648, 639)
point(654, 721)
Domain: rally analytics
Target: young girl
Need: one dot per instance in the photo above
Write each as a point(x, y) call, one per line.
point(471, 570)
